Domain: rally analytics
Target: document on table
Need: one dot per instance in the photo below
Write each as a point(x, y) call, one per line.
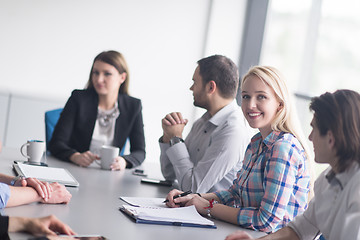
point(144, 202)
point(46, 174)
point(183, 216)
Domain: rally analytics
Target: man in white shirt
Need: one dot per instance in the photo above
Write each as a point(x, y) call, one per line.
point(334, 212)
point(212, 153)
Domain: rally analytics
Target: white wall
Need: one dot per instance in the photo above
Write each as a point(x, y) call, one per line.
point(4, 103)
point(26, 119)
point(47, 48)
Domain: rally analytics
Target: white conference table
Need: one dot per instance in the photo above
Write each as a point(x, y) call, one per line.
point(94, 206)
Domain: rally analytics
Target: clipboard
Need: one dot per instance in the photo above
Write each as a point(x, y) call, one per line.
point(185, 216)
point(46, 174)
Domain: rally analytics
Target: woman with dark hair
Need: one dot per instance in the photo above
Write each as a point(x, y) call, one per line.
point(101, 114)
point(334, 212)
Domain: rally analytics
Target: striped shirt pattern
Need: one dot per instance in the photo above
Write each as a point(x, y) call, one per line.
point(272, 186)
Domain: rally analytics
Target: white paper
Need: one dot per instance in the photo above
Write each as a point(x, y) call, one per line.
point(183, 214)
point(144, 202)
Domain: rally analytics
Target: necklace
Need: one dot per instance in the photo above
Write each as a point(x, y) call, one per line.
point(105, 118)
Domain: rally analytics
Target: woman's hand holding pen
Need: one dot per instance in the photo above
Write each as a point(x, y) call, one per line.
point(201, 204)
point(170, 198)
point(175, 199)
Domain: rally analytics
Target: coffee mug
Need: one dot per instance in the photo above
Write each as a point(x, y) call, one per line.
point(35, 150)
point(107, 155)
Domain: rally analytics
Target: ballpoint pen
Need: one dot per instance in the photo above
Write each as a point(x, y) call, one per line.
point(180, 195)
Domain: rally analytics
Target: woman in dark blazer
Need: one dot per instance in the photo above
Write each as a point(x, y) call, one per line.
point(101, 114)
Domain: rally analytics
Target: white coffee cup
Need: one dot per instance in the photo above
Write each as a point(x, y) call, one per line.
point(35, 150)
point(107, 156)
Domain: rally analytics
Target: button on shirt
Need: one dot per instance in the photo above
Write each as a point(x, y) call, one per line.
point(4, 195)
point(212, 153)
point(334, 211)
point(272, 186)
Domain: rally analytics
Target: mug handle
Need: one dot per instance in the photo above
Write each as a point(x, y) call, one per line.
point(98, 161)
point(21, 150)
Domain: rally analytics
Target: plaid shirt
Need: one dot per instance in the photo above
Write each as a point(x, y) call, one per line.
point(272, 186)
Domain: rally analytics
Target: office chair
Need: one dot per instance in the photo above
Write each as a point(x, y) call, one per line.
point(122, 151)
point(52, 117)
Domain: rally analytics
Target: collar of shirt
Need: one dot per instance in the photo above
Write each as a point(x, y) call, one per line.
point(268, 141)
point(222, 115)
point(113, 109)
point(342, 178)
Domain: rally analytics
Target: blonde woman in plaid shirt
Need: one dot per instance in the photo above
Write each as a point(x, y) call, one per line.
point(334, 211)
point(273, 185)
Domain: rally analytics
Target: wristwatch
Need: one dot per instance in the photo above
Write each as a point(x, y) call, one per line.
point(13, 181)
point(175, 140)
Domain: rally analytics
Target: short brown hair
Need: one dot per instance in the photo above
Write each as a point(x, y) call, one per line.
point(118, 61)
point(339, 112)
point(223, 72)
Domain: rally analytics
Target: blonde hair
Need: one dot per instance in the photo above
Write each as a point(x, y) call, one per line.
point(286, 119)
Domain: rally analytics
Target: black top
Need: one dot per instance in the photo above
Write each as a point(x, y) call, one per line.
point(4, 225)
point(74, 130)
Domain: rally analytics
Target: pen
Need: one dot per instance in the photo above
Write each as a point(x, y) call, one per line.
point(180, 195)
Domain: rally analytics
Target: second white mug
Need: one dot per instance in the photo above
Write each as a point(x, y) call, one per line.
point(107, 156)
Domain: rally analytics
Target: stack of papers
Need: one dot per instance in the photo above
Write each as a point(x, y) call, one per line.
point(144, 202)
point(156, 212)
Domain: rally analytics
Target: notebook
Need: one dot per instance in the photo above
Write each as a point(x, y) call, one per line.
point(184, 216)
point(144, 202)
point(46, 174)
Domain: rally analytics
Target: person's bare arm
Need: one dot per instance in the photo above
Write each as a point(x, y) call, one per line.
point(25, 195)
point(5, 178)
point(182, 201)
point(22, 195)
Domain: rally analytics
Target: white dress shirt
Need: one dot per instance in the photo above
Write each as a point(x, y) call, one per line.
point(212, 153)
point(334, 212)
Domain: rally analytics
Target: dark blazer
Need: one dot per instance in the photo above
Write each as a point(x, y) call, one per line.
point(4, 225)
point(74, 130)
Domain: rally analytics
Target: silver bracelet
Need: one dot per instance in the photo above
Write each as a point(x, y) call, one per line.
point(210, 207)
